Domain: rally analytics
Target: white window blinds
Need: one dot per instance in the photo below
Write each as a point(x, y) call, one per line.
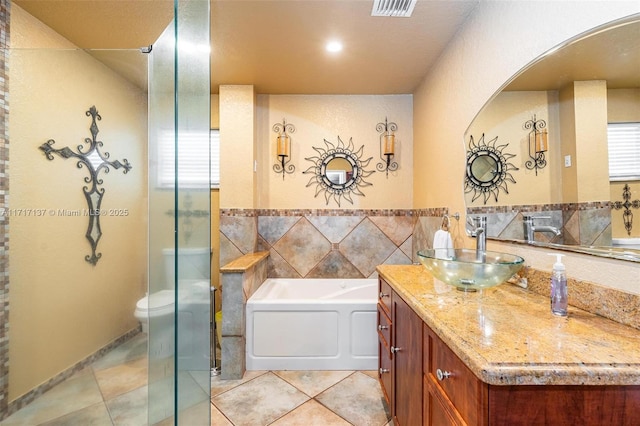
point(198, 160)
point(624, 151)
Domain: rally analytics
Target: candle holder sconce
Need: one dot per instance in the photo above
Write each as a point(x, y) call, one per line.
point(283, 148)
point(538, 144)
point(387, 146)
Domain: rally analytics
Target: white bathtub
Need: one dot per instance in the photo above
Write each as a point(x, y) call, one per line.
point(626, 243)
point(312, 324)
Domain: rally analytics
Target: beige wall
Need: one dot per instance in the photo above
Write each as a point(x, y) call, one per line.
point(592, 161)
point(237, 147)
point(568, 144)
point(576, 120)
point(316, 118)
point(496, 42)
point(326, 117)
point(583, 115)
point(504, 118)
point(63, 308)
point(215, 211)
point(624, 106)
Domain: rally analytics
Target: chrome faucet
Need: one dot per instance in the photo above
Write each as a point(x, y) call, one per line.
point(530, 228)
point(479, 231)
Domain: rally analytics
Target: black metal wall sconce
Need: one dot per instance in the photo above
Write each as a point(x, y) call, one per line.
point(283, 148)
point(387, 146)
point(538, 144)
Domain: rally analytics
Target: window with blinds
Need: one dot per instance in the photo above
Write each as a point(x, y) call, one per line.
point(624, 151)
point(198, 160)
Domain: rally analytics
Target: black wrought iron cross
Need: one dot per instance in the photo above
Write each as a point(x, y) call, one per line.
point(627, 215)
point(187, 214)
point(94, 161)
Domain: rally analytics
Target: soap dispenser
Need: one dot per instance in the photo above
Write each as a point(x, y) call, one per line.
point(559, 287)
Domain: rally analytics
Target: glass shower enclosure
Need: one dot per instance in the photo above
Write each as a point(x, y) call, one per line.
point(179, 216)
point(72, 300)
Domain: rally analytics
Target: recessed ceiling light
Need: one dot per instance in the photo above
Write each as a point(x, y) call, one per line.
point(333, 46)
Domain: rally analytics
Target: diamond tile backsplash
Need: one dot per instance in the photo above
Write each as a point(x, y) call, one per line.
point(351, 243)
point(587, 224)
point(327, 243)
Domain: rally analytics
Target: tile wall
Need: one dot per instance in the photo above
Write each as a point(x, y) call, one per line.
point(309, 244)
point(587, 224)
point(240, 279)
point(327, 243)
point(349, 243)
point(5, 9)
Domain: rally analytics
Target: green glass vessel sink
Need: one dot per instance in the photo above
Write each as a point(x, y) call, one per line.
point(469, 269)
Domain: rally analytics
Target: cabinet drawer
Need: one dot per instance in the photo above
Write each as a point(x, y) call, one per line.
point(384, 328)
point(434, 412)
point(384, 371)
point(384, 295)
point(447, 374)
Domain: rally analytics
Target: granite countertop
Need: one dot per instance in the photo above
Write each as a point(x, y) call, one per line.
point(507, 335)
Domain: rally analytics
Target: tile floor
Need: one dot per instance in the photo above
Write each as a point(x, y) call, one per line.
point(112, 391)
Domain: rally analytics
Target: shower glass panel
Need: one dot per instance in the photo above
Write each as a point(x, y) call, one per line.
point(179, 246)
point(192, 210)
point(66, 312)
point(162, 192)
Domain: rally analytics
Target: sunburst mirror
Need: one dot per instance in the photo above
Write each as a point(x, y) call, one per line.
point(338, 171)
point(487, 170)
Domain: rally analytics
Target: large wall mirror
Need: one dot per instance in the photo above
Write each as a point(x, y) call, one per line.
point(576, 91)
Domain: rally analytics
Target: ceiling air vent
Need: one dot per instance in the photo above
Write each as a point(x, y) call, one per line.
point(400, 8)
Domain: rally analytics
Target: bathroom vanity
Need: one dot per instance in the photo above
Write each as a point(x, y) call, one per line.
point(498, 356)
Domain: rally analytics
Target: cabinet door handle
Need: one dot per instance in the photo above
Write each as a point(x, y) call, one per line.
point(383, 295)
point(395, 350)
point(384, 370)
point(442, 375)
point(382, 327)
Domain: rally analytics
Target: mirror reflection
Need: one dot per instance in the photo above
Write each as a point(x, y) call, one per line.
point(339, 171)
point(579, 91)
point(484, 168)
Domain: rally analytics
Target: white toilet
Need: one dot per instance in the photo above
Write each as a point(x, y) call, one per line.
point(193, 293)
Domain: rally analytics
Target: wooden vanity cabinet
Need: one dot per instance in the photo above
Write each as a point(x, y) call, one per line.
point(426, 383)
point(407, 364)
point(385, 365)
point(402, 380)
point(453, 395)
point(384, 354)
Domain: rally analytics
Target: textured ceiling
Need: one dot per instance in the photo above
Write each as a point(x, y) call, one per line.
point(279, 45)
point(100, 24)
point(276, 45)
point(612, 55)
